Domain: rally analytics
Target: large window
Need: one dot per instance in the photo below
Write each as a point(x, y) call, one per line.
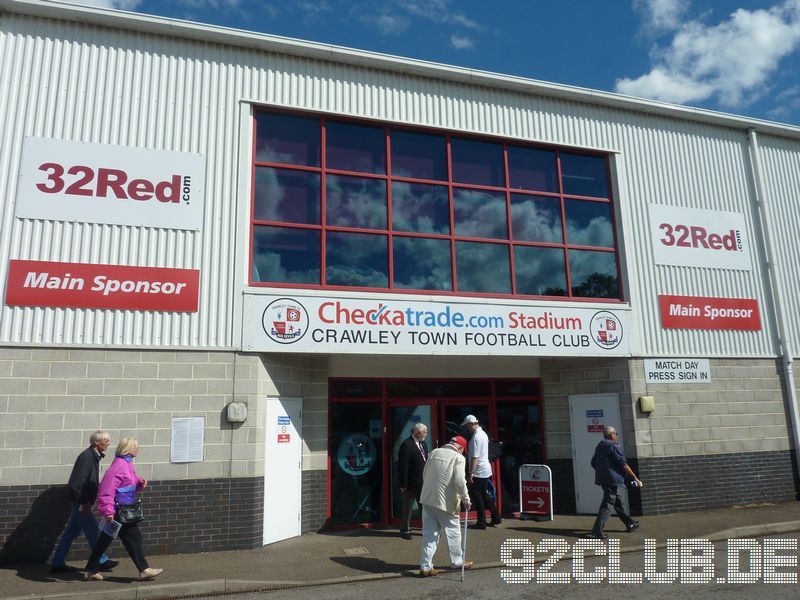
point(340, 204)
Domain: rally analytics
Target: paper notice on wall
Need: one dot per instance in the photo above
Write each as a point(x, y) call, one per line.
point(187, 439)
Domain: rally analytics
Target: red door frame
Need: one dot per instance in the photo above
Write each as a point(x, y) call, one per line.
point(438, 418)
point(490, 404)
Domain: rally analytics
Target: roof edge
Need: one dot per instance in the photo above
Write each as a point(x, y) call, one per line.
point(118, 19)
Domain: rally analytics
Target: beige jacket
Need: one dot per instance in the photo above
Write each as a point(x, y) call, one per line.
point(444, 483)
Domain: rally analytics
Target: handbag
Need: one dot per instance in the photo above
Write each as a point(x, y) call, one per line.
point(130, 513)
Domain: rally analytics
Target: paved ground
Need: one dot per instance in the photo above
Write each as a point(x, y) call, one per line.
point(368, 554)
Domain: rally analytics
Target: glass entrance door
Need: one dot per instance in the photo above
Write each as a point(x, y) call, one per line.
point(369, 419)
point(519, 428)
point(402, 418)
point(356, 452)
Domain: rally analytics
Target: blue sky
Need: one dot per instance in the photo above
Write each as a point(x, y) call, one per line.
point(735, 56)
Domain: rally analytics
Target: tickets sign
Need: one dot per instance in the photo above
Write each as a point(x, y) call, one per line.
point(400, 326)
point(700, 312)
point(535, 490)
point(77, 285)
point(63, 180)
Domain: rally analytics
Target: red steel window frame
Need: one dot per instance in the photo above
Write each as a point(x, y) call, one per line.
point(451, 185)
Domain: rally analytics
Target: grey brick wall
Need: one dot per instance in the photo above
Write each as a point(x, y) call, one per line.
point(741, 410)
point(688, 483)
point(724, 443)
point(52, 399)
point(182, 516)
point(314, 509)
point(564, 377)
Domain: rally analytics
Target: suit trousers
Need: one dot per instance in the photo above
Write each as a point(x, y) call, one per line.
point(131, 538)
point(406, 503)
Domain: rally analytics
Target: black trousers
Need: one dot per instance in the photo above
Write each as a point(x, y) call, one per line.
point(131, 538)
point(482, 500)
point(611, 501)
point(407, 500)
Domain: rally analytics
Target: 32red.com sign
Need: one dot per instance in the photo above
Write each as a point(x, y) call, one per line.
point(78, 285)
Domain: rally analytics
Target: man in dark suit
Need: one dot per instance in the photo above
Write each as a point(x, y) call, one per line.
point(83, 484)
point(412, 456)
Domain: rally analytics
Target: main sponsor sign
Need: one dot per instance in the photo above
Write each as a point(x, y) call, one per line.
point(76, 285)
point(95, 183)
point(694, 237)
point(358, 326)
point(677, 370)
point(700, 312)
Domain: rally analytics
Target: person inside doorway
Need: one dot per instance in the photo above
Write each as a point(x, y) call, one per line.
point(411, 458)
point(479, 473)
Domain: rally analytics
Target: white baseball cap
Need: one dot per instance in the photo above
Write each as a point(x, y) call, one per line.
point(469, 419)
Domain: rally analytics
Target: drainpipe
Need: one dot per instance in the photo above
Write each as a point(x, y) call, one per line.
point(776, 290)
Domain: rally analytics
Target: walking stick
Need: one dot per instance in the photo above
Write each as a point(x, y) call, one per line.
point(464, 551)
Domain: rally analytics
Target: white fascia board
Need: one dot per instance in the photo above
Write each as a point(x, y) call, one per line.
point(271, 43)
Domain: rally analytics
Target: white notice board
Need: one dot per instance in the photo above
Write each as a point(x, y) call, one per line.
point(187, 439)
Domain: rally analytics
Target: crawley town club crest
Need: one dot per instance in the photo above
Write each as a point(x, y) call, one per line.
point(606, 330)
point(285, 321)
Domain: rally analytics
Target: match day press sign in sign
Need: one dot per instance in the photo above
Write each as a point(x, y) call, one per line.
point(63, 180)
point(536, 490)
point(677, 370)
point(397, 326)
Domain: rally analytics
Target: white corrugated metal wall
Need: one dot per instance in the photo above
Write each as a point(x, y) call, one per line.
point(86, 83)
point(780, 160)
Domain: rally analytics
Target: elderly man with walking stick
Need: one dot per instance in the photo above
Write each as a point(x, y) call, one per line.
point(444, 489)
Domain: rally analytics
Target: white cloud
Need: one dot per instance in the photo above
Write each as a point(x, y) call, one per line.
point(118, 4)
point(396, 16)
point(387, 24)
point(662, 15)
point(788, 101)
point(730, 62)
point(438, 11)
point(461, 42)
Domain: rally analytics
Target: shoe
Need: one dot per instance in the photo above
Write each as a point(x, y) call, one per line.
point(406, 535)
point(430, 573)
point(108, 565)
point(478, 526)
point(595, 536)
point(150, 573)
point(468, 564)
point(495, 523)
point(92, 576)
point(633, 526)
point(62, 569)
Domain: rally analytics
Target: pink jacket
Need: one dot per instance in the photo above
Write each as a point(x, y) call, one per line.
point(120, 474)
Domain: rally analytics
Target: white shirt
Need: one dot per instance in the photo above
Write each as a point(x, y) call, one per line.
point(479, 447)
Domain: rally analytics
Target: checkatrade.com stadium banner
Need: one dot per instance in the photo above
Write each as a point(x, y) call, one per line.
point(313, 324)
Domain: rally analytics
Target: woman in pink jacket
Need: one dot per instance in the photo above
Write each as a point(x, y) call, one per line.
point(119, 486)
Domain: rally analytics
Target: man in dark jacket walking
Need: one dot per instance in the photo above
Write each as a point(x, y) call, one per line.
point(411, 461)
point(83, 483)
point(610, 468)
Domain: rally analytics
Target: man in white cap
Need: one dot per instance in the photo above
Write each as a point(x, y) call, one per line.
point(444, 489)
point(480, 472)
